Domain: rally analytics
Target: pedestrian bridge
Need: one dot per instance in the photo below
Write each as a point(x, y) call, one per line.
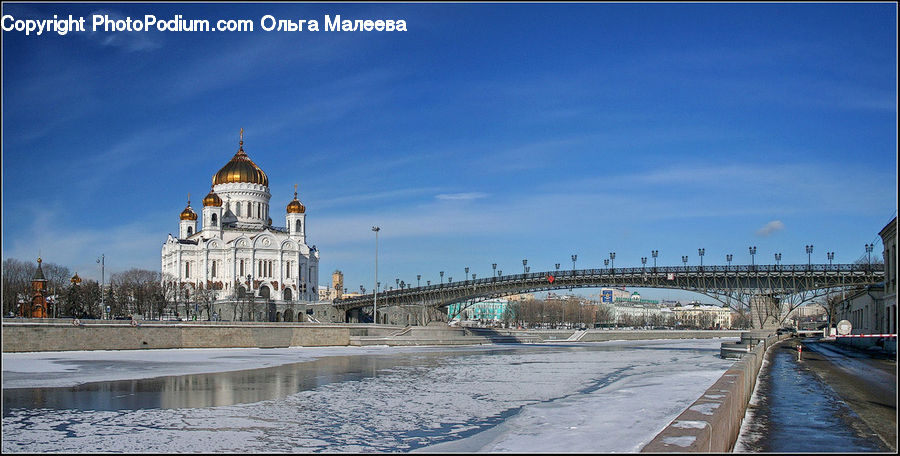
point(723, 283)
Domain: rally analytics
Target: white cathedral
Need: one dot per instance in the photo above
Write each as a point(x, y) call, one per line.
point(237, 251)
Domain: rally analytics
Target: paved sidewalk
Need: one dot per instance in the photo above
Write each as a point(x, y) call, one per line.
point(865, 380)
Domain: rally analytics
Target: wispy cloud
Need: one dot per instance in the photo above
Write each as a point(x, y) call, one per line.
point(771, 227)
point(461, 196)
point(127, 41)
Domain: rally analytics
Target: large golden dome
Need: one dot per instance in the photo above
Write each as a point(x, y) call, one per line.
point(241, 169)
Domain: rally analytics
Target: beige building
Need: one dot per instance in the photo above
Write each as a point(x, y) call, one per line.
point(888, 316)
point(719, 316)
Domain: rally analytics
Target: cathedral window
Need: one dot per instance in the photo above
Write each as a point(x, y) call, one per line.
point(214, 268)
point(242, 268)
point(298, 226)
point(238, 208)
point(258, 211)
point(214, 220)
point(190, 231)
point(248, 209)
point(187, 269)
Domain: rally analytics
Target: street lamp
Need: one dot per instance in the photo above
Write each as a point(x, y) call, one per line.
point(494, 266)
point(377, 283)
point(102, 262)
point(830, 257)
point(574, 257)
point(778, 258)
point(418, 280)
point(684, 259)
point(524, 262)
point(557, 267)
point(654, 254)
point(606, 262)
point(869, 248)
point(466, 274)
point(643, 262)
point(809, 251)
point(499, 272)
point(752, 255)
point(728, 258)
point(397, 282)
point(442, 277)
point(701, 252)
point(612, 258)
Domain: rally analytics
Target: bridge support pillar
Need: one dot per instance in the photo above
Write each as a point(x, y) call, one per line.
point(765, 311)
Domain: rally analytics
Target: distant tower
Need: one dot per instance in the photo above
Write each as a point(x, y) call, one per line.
point(296, 219)
point(37, 308)
point(188, 224)
point(212, 215)
point(337, 282)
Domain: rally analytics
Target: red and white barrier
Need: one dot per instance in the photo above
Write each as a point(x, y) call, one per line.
point(866, 335)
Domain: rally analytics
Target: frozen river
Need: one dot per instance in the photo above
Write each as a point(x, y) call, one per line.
point(587, 397)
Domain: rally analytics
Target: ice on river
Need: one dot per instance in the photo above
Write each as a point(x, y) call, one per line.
point(593, 397)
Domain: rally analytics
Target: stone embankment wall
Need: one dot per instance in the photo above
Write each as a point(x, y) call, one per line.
point(712, 423)
point(63, 335)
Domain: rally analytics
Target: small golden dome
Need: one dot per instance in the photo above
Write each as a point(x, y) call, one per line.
point(212, 199)
point(188, 213)
point(240, 169)
point(295, 206)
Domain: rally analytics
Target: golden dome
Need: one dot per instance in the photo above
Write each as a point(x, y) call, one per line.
point(212, 199)
point(188, 213)
point(241, 169)
point(295, 206)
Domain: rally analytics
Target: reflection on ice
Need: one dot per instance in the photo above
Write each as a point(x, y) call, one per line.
point(599, 397)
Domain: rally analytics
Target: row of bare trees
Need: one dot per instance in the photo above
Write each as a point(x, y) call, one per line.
point(574, 312)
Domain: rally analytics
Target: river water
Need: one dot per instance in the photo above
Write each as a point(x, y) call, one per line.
point(611, 396)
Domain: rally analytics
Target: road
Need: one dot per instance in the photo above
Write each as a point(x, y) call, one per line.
point(833, 399)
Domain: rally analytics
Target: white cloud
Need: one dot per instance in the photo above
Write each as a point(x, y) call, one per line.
point(460, 196)
point(771, 227)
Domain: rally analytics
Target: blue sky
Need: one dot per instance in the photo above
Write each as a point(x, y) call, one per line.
point(487, 133)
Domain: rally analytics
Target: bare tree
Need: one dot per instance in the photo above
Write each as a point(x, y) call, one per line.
point(17, 276)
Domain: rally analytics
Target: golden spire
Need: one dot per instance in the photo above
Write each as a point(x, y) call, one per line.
point(295, 191)
point(242, 138)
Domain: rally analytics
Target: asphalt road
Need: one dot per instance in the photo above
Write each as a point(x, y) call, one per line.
point(865, 380)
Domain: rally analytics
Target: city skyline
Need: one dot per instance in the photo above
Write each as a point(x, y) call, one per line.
point(484, 134)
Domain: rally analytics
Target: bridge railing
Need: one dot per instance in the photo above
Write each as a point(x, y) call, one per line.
point(660, 271)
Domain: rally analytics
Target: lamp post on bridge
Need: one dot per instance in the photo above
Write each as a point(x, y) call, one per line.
point(809, 251)
point(643, 263)
point(466, 275)
point(494, 266)
point(557, 268)
point(377, 283)
point(574, 257)
point(524, 262)
point(869, 248)
point(684, 259)
point(753, 256)
point(830, 257)
point(606, 262)
point(778, 259)
point(442, 277)
point(654, 254)
point(728, 258)
point(701, 252)
point(612, 259)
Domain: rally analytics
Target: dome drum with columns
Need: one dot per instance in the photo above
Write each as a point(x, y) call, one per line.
point(236, 252)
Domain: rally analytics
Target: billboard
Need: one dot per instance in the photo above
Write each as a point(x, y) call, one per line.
point(606, 296)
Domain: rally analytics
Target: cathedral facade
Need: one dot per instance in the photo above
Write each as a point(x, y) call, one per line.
point(236, 254)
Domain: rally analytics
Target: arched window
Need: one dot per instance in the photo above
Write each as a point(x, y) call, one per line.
point(298, 226)
point(190, 231)
point(213, 220)
point(238, 208)
point(187, 269)
point(214, 268)
point(248, 209)
point(258, 211)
